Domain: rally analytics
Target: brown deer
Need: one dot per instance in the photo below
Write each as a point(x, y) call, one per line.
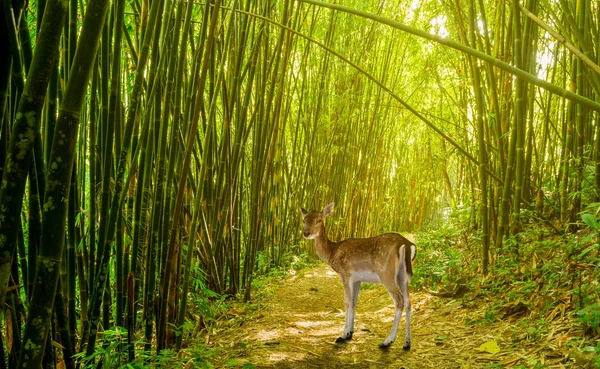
point(385, 259)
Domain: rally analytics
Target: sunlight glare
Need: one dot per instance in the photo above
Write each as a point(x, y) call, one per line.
point(413, 8)
point(393, 170)
point(545, 59)
point(283, 356)
point(311, 324)
point(438, 26)
point(267, 335)
point(423, 301)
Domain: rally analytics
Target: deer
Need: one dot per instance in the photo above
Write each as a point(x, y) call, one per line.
point(385, 259)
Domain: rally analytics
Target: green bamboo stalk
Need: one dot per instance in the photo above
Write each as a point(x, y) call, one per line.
point(63, 329)
point(130, 314)
point(36, 193)
point(93, 150)
point(83, 292)
point(71, 32)
point(519, 121)
point(162, 141)
point(25, 126)
point(187, 159)
point(483, 160)
point(5, 69)
point(106, 136)
point(101, 274)
point(187, 273)
point(113, 118)
point(59, 175)
point(581, 117)
point(567, 152)
point(152, 248)
point(11, 17)
point(25, 41)
point(71, 327)
point(51, 112)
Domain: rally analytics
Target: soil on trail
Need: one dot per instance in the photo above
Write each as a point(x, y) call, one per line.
point(296, 325)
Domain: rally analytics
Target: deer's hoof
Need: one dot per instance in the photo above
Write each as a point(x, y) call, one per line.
point(384, 345)
point(344, 339)
point(406, 346)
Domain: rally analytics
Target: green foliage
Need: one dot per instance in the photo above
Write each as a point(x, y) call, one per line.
point(291, 264)
point(591, 221)
point(279, 261)
point(440, 253)
point(111, 350)
point(531, 275)
point(589, 316)
point(532, 364)
point(537, 329)
point(596, 351)
point(235, 363)
point(112, 353)
point(206, 304)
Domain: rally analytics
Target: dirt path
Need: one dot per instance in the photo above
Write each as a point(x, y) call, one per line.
point(297, 324)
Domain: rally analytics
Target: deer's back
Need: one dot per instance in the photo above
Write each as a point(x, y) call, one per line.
point(373, 253)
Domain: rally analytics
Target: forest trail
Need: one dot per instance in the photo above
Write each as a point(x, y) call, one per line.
point(297, 324)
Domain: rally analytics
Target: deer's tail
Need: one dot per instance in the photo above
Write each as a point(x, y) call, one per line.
point(406, 254)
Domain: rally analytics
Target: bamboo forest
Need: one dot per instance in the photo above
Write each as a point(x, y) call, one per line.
point(211, 183)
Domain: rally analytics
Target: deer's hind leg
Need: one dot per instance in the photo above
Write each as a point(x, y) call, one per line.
point(396, 295)
point(403, 283)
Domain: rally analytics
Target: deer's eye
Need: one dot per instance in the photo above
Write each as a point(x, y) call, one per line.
point(319, 220)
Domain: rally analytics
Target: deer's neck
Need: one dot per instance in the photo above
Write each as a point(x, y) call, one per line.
point(324, 246)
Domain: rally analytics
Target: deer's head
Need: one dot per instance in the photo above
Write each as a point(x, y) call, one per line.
point(313, 221)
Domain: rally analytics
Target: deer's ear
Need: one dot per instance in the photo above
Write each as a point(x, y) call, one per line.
point(303, 211)
point(328, 209)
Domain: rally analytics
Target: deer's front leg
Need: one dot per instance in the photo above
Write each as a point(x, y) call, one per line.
point(348, 327)
point(354, 290)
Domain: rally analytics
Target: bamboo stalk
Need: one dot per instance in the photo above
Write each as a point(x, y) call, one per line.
point(25, 126)
point(59, 175)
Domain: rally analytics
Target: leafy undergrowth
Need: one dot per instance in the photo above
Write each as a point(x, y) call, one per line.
point(544, 284)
